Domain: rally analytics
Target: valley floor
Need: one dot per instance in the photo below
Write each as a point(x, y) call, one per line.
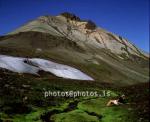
point(15, 87)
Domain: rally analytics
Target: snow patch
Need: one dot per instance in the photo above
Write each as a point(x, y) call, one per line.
point(33, 65)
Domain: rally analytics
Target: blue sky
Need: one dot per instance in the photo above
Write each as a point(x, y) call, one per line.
point(128, 18)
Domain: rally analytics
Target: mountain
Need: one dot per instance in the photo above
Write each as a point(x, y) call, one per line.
point(69, 40)
point(63, 68)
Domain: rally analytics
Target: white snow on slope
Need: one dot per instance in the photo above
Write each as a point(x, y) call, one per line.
point(17, 64)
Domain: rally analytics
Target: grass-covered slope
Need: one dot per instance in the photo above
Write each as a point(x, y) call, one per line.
point(36, 108)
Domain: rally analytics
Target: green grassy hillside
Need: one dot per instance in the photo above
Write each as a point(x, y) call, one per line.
point(14, 87)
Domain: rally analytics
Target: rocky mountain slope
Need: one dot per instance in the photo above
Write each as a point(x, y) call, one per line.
point(81, 31)
point(69, 40)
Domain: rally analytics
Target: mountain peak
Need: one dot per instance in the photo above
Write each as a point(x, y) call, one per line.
point(70, 16)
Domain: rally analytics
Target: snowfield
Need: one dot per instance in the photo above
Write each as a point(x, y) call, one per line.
point(33, 65)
